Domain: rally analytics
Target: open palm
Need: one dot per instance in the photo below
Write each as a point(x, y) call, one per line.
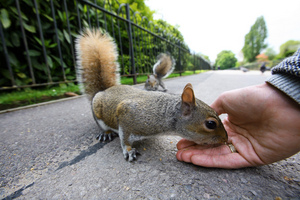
point(263, 125)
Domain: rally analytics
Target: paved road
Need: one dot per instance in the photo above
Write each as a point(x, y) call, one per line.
point(50, 152)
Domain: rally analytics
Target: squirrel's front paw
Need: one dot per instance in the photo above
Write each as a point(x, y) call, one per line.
point(107, 135)
point(131, 154)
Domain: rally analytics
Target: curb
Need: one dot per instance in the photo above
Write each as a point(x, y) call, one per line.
point(39, 104)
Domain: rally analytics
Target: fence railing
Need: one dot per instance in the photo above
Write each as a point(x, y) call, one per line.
point(38, 50)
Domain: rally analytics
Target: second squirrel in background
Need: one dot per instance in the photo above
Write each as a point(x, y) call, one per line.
point(162, 69)
point(137, 114)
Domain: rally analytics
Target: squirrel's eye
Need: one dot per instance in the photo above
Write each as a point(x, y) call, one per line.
point(210, 124)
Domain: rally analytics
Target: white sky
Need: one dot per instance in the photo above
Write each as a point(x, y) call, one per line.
point(211, 26)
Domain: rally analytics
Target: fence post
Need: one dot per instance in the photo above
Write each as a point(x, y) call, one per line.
point(130, 43)
point(42, 40)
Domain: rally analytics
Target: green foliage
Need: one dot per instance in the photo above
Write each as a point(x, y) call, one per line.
point(288, 49)
point(140, 6)
point(226, 59)
point(254, 40)
point(5, 18)
point(39, 62)
point(270, 53)
point(51, 64)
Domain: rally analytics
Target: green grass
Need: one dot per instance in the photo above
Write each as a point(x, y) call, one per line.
point(30, 96)
point(129, 80)
point(143, 78)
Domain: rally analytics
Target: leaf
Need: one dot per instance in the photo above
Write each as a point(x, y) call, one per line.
point(61, 15)
point(70, 77)
point(60, 35)
point(56, 58)
point(67, 71)
point(37, 65)
point(33, 53)
point(48, 17)
point(29, 28)
point(5, 18)
point(49, 60)
point(15, 39)
point(38, 40)
point(52, 45)
point(21, 75)
point(67, 36)
point(47, 43)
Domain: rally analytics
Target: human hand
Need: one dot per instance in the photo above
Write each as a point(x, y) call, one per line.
point(263, 124)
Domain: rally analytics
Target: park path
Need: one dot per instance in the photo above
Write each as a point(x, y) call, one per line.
point(50, 152)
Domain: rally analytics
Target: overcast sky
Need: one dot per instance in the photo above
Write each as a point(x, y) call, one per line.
point(211, 26)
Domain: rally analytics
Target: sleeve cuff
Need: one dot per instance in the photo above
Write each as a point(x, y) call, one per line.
point(288, 84)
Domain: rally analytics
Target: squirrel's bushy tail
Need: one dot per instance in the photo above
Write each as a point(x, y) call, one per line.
point(164, 66)
point(97, 66)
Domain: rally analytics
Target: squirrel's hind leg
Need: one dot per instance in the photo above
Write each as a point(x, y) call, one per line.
point(161, 83)
point(105, 133)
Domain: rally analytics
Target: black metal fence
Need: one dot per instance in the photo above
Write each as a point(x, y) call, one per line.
point(39, 50)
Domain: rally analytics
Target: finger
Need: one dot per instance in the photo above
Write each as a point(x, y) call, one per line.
point(227, 161)
point(186, 154)
point(217, 105)
point(184, 143)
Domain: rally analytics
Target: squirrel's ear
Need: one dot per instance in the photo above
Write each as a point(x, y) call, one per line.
point(148, 76)
point(188, 95)
point(188, 99)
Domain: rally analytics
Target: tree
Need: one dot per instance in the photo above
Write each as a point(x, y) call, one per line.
point(226, 59)
point(203, 56)
point(254, 40)
point(288, 48)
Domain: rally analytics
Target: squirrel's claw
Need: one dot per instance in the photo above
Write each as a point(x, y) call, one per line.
point(131, 155)
point(108, 135)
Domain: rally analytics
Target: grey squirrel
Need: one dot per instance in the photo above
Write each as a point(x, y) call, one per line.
point(164, 66)
point(135, 114)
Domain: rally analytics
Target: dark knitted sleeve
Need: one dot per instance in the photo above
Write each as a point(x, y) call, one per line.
point(286, 76)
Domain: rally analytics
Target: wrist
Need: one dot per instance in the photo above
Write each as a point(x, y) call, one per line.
point(288, 84)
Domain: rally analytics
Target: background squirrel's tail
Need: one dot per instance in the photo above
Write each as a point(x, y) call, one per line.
point(164, 66)
point(97, 65)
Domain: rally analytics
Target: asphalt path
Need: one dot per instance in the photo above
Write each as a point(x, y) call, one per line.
point(51, 152)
